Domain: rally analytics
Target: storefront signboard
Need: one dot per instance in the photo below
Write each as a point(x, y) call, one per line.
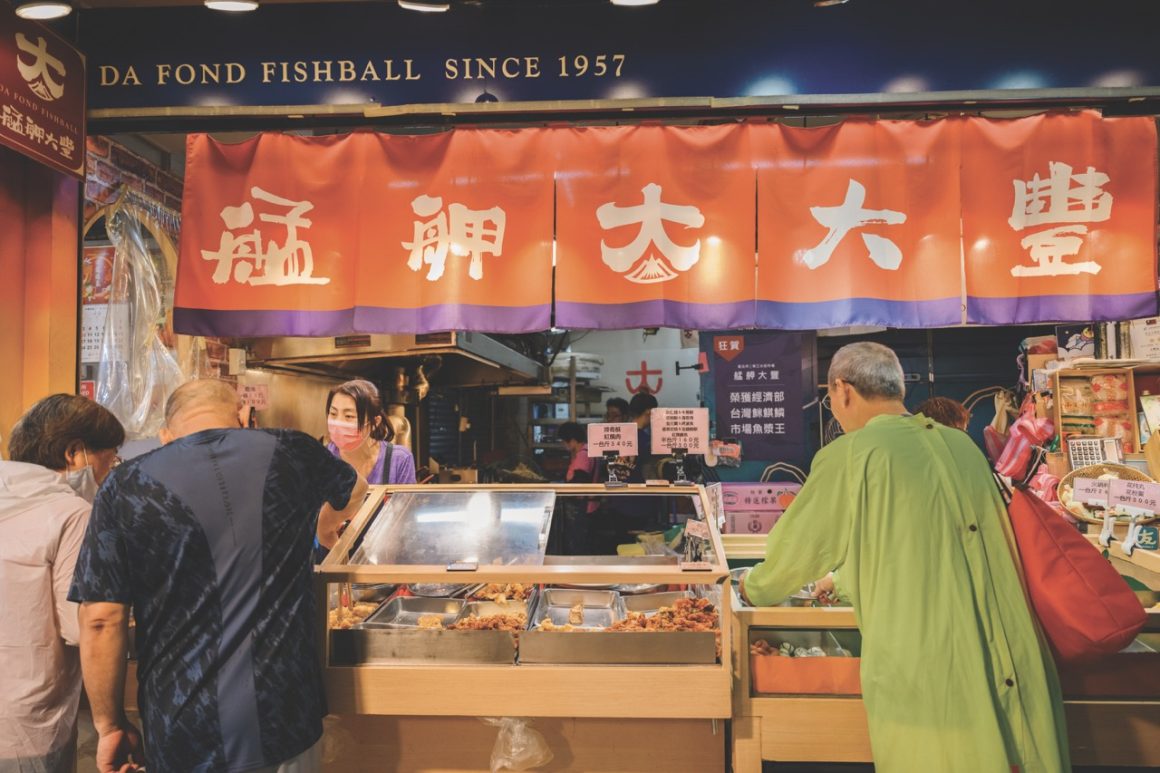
point(1059, 218)
point(42, 94)
point(862, 223)
point(758, 388)
point(364, 56)
point(679, 428)
point(620, 438)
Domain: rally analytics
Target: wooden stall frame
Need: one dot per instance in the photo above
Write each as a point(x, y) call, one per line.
point(582, 691)
point(1107, 733)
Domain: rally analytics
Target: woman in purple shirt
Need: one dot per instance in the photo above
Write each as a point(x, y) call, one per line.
point(361, 436)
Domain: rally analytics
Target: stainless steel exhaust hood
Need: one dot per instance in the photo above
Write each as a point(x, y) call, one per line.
point(454, 359)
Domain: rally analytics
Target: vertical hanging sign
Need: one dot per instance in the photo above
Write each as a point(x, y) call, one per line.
point(42, 94)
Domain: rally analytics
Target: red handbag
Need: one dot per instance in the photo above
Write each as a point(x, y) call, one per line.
point(1084, 606)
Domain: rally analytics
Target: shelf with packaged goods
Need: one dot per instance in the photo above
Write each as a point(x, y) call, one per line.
point(594, 689)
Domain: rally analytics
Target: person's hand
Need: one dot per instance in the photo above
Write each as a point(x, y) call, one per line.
point(741, 588)
point(119, 750)
point(824, 589)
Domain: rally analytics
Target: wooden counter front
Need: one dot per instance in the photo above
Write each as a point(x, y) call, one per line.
point(1104, 733)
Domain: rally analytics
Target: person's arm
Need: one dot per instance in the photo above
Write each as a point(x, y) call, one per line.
point(63, 565)
point(330, 519)
point(810, 539)
point(104, 635)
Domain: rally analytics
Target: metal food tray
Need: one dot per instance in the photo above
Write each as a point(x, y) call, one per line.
point(590, 644)
point(391, 635)
point(601, 608)
point(404, 612)
point(490, 608)
point(650, 603)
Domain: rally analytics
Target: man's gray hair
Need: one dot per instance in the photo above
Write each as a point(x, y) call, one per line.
point(872, 369)
point(202, 393)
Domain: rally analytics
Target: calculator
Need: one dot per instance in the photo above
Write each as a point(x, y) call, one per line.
point(1083, 450)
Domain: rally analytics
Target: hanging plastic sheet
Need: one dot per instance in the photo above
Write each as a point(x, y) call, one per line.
point(137, 371)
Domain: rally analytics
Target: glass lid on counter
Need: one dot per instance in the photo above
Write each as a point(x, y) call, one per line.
point(448, 527)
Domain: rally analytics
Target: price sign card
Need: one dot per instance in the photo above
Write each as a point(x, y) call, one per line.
point(620, 438)
point(695, 528)
point(1135, 495)
point(256, 396)
point(1090, 491)
point(686, 428)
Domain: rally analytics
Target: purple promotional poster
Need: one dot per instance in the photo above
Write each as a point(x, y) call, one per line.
point(758, 380)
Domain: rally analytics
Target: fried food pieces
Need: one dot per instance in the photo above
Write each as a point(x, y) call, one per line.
point(344, 618)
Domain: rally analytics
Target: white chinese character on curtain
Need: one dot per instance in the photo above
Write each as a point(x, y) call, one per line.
point(1066, 198)
point(630, 260)
point(250, 261)
point(847, 216)
point(459, 231)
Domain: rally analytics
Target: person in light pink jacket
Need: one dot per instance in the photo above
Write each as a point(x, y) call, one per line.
point(60, 451)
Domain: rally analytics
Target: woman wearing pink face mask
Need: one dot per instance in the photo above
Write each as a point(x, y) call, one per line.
point(361, 437)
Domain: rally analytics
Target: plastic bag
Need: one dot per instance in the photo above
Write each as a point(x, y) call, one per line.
point(136, 372)
point(518, 746)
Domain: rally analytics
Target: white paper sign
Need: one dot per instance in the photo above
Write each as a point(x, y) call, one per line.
point(1130, 494)
point(256, 396)
point(1145, 338)
point(686, 428)
point(1090, 491)
point(620, 438)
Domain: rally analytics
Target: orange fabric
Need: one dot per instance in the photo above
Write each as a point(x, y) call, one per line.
point(906, 167)
point(1005, 155)
point(479, 169)
point(360, 189)
point(703, 167)
point(220, 176)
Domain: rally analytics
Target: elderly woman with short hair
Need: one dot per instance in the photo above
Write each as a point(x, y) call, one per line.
point(60, 451)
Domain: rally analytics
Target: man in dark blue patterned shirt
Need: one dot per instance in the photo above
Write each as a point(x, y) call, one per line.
point(208, 539)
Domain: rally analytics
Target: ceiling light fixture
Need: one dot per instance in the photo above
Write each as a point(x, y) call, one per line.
point(232, 6)
point(635, 2)
point(424, 6)
point(828, 3)
point(43, 10)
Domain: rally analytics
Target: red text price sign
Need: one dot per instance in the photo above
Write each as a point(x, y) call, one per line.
point(620, 438)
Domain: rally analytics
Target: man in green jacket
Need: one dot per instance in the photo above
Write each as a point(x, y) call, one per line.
point(955, 674)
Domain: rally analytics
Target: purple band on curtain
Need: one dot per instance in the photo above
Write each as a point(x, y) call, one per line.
point(858, 311)
point(1060, 308)
point(434, 319)
point(210, 322)
point(659, 313)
